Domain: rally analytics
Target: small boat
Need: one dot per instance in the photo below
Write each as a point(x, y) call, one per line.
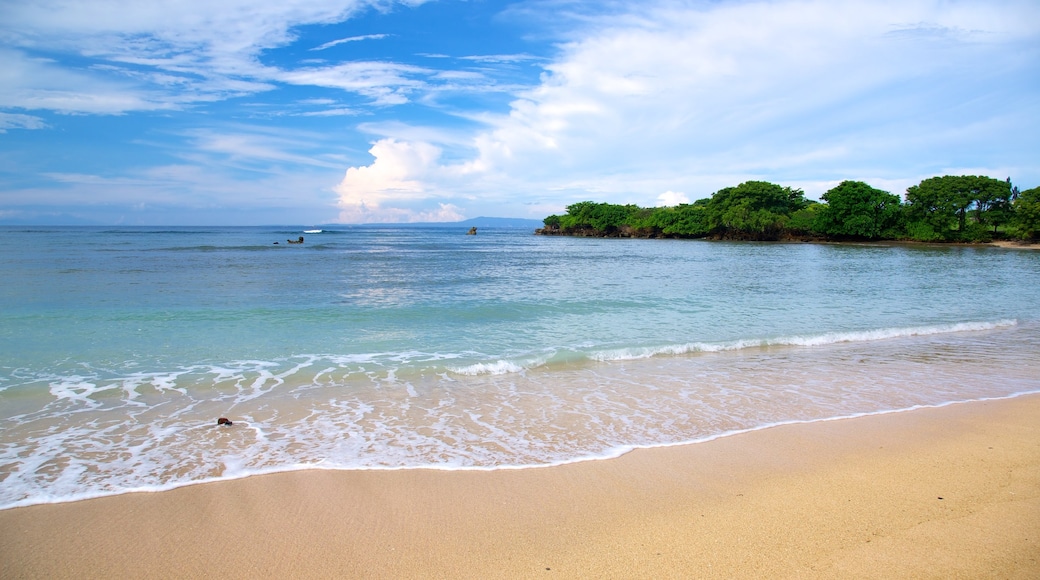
point(312, 231)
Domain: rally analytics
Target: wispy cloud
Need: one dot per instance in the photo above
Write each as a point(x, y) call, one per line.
point(503, 58)
point(350, 39)
point(258, 149)
point(633, 102)
point(384, 83)
point(19, 121)
point(694, 97)
point(334, 112)
point(148, 56)
point(34, 83)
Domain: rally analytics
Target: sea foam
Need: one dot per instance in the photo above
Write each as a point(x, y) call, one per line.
point(403, 348)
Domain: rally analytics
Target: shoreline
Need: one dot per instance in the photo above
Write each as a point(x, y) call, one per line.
point(608, 455)
point(950, 491)
point(1006, 244)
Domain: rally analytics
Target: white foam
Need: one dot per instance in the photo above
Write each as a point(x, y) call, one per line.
point(235, 467)
point(501, 415)
point(888, 333)
point(500, 367)
point(796, 340)
point(77, 390)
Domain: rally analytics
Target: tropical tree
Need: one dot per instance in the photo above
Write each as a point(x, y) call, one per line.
point(682, 221)
point(601, 218)
point(803, 221)
point(1024, 222)
point(753, 209)
point(855, 209)
point(939, 207)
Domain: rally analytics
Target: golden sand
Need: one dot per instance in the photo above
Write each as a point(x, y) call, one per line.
point(952, 492)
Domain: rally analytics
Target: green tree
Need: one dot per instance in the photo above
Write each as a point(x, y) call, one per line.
point(691, 220)
point(612, 217)
point(1024, 222)
point(601, 218)
point(682, 221)
point(939, 208)
point(753, 209)
point(993, 200)
point(803, 221)
point(579, 215)
point(855, 209)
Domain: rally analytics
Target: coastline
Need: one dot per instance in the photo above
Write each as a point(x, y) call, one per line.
point(795, 239)
point(952, 491)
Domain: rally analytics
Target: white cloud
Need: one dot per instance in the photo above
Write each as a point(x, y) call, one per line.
point(334, 112)
point(443, 212)
point(693, 97)
point(384, 83)
point(669, 96)
point(18, 121)
point(194, 193)
point(36, 83)
point(188, 30)
point(671, 199)
point(173, 51)
point(701, 96)
point(501, 58)
point(402, 173)
point(350, 39)
point(254, 149)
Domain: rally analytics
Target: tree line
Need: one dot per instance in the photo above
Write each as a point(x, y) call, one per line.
point(963, 208)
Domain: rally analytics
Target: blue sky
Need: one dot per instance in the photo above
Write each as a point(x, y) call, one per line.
point(243, 112)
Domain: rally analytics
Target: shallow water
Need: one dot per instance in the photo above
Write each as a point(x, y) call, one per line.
point(387, 347)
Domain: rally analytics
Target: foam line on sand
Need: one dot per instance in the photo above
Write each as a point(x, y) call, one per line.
point(951, 492)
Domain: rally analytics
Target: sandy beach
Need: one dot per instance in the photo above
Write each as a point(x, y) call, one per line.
point(951, 492)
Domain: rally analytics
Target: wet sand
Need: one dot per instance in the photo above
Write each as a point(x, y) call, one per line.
point(1016, 245)
point(952, 492)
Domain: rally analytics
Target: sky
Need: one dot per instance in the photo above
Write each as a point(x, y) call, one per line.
point(262, 112)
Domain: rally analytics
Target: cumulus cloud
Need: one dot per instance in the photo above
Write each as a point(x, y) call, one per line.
point(443, 212)
point(639, 98)
point(693, 97)
point(402, 173)
point(671, 199)
point(699, 96)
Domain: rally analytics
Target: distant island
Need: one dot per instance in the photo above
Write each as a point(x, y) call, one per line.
point(967, 208)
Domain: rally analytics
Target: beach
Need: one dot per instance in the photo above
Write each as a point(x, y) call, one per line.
point(947, 492)
point(427, 404)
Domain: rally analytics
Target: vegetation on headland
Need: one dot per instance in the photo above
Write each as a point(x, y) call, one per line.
point(939, 209)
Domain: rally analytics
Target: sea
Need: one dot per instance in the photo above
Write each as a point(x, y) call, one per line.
point(392, 347)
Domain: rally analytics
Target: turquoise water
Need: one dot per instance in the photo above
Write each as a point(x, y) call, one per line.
point(401, 347)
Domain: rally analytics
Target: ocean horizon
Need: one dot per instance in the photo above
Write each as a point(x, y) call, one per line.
point(402, 347)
